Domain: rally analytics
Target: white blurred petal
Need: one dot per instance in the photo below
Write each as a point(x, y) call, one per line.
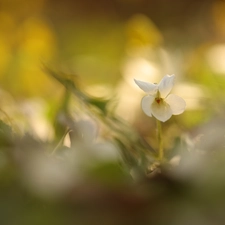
point(87, 130)
point(177, 104)
point(146, 87)
point(146, 103)
point(47, 176)
point(161, 111)
point(165, 85)
point(105, 152)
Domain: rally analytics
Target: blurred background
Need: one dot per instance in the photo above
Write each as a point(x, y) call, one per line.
point(100, 47)
point(108, 44)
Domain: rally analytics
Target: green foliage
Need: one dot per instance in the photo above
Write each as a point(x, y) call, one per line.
point(81, 182)
point(69, 157)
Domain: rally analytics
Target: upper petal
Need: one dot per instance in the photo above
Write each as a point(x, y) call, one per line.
point(161, 111)
point(177, 104)
point(166, 85)
point(146, 87)
point(146, 103)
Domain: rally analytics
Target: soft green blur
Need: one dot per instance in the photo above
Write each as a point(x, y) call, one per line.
point(75, 146)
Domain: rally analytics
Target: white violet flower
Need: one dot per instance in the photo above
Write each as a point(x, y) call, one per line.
point(159, 102)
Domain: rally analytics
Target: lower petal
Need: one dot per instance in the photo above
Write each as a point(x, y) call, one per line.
point(161, 111)
point(146, 104)
point(177, 104)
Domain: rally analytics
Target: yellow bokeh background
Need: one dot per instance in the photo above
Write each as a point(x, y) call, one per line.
point(107, 46)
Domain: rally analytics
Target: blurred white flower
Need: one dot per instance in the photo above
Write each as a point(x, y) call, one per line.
point(47, 176)
point(159, 102)
point(88, 149)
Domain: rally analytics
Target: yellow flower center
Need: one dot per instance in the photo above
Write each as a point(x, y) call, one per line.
point(158, 99)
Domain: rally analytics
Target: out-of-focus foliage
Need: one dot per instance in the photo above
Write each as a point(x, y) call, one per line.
point(96, 166)
point(75, 147)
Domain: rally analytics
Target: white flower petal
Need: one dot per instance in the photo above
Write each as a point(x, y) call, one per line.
point(177, 104)
point(146, 87)
point(146, 103)
point(166, 85)
point(161, 111)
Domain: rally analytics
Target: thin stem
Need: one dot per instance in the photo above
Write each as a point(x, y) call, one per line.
point(160, 140)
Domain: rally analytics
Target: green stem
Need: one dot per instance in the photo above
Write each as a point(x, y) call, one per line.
point(160, 140)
